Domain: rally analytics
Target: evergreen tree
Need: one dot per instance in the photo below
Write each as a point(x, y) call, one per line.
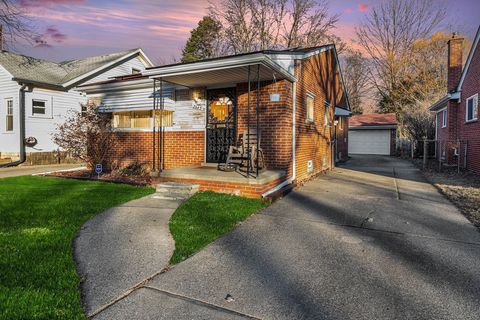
point(203, 40)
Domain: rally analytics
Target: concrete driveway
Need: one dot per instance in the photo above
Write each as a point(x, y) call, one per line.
point(371, 240)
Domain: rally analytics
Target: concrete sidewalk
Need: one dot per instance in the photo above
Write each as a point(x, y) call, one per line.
point(122, 247)
point(371, 240)
point(29, 170)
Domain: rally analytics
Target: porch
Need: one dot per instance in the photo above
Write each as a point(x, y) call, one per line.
point(245, 103)
point(235, 182)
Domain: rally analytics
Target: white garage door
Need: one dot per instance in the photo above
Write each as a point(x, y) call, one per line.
point(369, 142)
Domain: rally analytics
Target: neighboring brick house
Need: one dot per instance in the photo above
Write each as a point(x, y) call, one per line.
point(456, 114)
point(206, 106)
point(373, 134)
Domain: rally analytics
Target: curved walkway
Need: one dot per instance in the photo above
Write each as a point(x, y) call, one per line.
point(121, 247)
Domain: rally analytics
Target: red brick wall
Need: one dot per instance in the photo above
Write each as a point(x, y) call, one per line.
point(393, 142)
point(455, 55)
point(275, 121)
point(317, 75)
point(342, 138)
point(182, 149)
point(470, 131)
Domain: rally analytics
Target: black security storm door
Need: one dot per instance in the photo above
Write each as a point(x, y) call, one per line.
point(221, 123)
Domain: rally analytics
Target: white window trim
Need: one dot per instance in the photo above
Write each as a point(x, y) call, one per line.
point(475, 116)
point(39, 115)
point(310, 95)
point(7, 114)
point(444, 118)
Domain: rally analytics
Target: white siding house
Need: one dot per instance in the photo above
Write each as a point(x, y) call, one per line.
point(184, 107)
point(49, 93)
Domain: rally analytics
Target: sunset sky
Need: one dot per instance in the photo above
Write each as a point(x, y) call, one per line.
point(78, 28)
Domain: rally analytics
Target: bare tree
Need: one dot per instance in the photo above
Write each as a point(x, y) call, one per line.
point(355, 75)
point(14, 23)
point(250, 25)
point(387, 36)
point(86, 135)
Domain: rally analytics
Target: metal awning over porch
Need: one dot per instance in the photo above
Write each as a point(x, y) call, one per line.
point(219, 71)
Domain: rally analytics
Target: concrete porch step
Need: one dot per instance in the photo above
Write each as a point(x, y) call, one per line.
point(175, 190)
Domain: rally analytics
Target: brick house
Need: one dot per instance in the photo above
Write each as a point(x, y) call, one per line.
point(456, 114)
point(180, 120)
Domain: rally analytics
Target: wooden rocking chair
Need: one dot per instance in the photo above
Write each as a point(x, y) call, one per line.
point(239, 155)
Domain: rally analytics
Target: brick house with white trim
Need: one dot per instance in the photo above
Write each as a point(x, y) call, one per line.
point(456, 114)
point(180, 120)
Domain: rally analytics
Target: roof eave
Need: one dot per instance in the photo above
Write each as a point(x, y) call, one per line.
point(374, 127)
point(40, 84)
point(442, 103)
point(71, 83)
point(232, 62)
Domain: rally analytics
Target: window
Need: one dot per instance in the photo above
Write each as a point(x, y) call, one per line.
point(9, 115)
point(166, 120)
point(340, 122)
point(327, 114)
point(136, 71)
point(121, 120)
point(444, 118)
point(310, 107)
point(38, 107)
point(472, 108)
point(141, 119)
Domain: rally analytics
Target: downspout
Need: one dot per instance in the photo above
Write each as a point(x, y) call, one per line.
point(21, 115)
point(294, 146)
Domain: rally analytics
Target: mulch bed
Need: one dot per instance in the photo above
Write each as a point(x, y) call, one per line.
point(114, 177)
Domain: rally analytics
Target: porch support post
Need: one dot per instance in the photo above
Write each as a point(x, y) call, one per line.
point(248, 126)
point(153, 131)
point(258, 118)
point(161, 130)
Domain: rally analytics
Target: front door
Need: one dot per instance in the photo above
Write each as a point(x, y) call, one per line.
point(221, 123)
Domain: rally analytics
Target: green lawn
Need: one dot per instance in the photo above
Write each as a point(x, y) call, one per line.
point(205, 217)
point(39, 218)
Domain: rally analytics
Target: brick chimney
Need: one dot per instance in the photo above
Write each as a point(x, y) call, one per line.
point(455, 59)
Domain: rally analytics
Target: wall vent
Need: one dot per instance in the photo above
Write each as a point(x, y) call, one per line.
point(309, 166)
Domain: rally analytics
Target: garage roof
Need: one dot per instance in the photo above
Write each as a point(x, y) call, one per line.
point(374, 120)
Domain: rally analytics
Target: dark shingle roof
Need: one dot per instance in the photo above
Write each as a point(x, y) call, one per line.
point(51, 73)
point(373, 119)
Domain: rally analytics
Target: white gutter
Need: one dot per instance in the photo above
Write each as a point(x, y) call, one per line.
point(280, 186)
point(227, 63)
point(440, 103)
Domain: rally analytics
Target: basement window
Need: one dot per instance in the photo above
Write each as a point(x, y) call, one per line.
point(471, 112)
point(38, 107)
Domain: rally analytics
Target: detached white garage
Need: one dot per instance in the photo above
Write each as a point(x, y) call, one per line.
point(372, 134)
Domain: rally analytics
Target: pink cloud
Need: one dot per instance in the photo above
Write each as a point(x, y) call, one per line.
point(50, 34)
point(43, 3)
point(362, 7)
point(348, 10)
